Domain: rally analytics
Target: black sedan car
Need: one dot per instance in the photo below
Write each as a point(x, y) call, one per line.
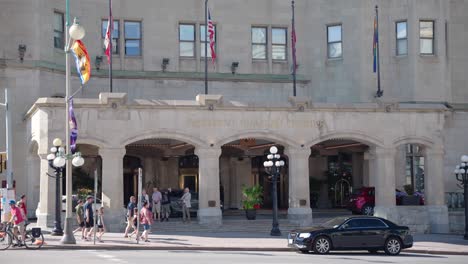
point(353, 233)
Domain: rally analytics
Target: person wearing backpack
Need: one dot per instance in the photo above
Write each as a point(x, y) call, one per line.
point(166, 205)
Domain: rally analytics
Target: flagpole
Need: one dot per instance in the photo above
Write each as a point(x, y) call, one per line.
point(294, 50)
point(206, 47)
point(110, 45)
point(68, 237)
point(379, 91)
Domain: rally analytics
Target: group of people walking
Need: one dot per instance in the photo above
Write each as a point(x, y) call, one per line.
point(156, 209)
point(85, 218)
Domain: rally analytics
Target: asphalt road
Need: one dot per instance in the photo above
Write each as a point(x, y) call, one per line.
point(210, 257)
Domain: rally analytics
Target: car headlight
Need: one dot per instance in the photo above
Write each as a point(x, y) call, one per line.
point(304, 235)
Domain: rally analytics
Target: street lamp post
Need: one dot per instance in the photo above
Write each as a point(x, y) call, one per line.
point(57, 160)
point(273, 166)
point(461, 173)
point(56, 150)
point(75, 32)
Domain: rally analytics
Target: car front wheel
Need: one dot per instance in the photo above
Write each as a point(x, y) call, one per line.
point(392, 246)
point(367, 210)
point(322, 245)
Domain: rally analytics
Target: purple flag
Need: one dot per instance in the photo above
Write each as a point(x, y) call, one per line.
point(73, 128)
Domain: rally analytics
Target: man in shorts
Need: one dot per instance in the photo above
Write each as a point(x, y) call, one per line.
point(130, 215)
point(17, 219)
point(80, 219)
point(89, 217)
point(166, 205)
point(156, 197)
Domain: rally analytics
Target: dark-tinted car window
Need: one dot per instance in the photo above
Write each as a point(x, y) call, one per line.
point(376, 223)
point(354, 223)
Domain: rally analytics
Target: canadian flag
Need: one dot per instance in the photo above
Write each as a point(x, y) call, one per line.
point(108, 38)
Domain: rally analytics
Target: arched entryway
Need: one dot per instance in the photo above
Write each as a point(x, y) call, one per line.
point(241, 164)
point(166, 163)
point(337, 167)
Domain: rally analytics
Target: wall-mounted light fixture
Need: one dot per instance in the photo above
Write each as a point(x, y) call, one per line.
point(97, 62)
point(234, 66)
point(164, 64)
point(21, 51)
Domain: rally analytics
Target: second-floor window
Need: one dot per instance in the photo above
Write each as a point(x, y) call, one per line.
point(205, 39)
point(58, 30)
point(278, 44)
point(259, 43)
point(115, 35)
point(132, 31)
point(401, 38)
point(187, 40)
point(426, 37)
point(334, 41)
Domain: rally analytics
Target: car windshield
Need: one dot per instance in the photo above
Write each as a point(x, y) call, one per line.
point(333, 223)
point(357, 191)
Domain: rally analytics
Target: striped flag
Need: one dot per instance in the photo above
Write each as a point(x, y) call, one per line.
point(376, 42)
point(211, 35)
point(83, 65)
point(108, 38)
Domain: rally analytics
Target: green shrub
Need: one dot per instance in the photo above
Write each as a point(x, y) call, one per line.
point(252, 196)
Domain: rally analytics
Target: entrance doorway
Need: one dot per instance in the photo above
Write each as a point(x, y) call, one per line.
point(336, 168)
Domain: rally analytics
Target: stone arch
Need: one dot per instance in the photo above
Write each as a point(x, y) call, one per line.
point(421, 140)
point(196, 142)
point(88, 140)
point(259, 134)
point(348, 134)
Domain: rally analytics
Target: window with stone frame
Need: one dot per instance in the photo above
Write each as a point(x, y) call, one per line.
point(415, 162)
point(401, 28)
point(132, 34)
point(187, 40)
point(426, 37)
point(259, 43)
point(59, 30)
point(334, 41)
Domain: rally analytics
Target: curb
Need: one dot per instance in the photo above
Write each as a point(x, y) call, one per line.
point(136, 247)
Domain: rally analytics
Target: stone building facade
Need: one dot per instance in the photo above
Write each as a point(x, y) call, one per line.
point(158, 118)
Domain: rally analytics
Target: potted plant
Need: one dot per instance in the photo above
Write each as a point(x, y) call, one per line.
point(252, 198)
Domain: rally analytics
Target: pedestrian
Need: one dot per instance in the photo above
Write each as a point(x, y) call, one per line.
point(100, 224)
point(166, 205)
point(80, 219)
point(17, 219)
point(89, 217)
point(156, 204)
point(135, 223)
point(186, 205)
point(146, 221)
point(130, 215)
point(144, 197)
point(23, 205)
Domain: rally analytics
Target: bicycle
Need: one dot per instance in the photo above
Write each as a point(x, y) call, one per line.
point(34, 239)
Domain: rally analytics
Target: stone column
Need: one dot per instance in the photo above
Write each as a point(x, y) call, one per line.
point(299, 211)
point(112, 187)
point(209, 211)
point(385, 205)
point(45, 211)
point(435, 190)
point(369, 168)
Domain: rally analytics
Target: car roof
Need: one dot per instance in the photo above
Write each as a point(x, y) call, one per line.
point(363, 217)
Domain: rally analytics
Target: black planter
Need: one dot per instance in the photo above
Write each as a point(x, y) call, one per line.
point(251, 214)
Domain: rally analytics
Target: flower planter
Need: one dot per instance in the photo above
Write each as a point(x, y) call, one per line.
point(251, 214)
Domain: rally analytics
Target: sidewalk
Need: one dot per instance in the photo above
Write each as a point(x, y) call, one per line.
point(229, 241)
